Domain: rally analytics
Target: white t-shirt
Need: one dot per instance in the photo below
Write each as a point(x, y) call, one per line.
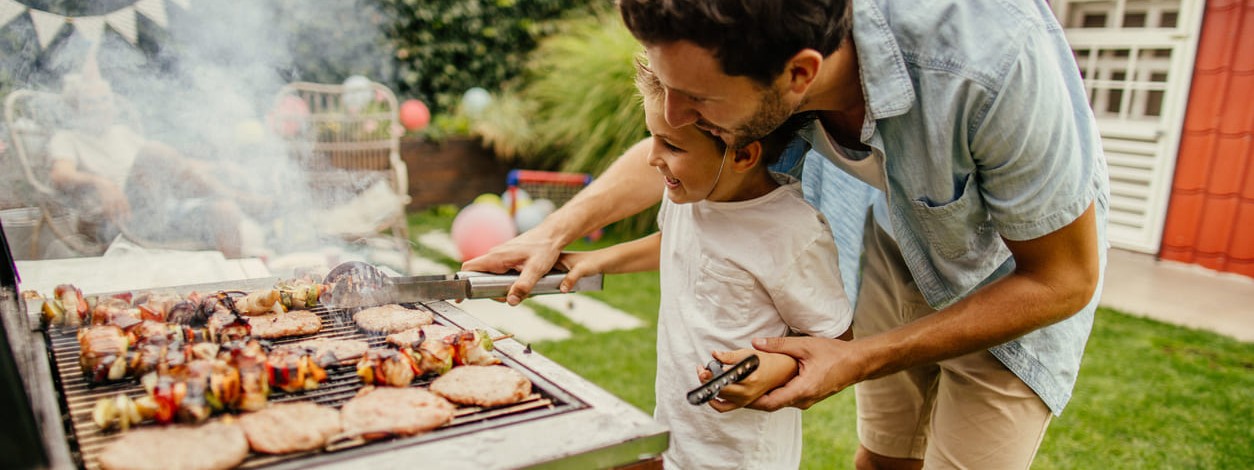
point(109, 155)
point(731, 272)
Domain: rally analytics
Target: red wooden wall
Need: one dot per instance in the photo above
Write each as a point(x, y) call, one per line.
point(1210, 217)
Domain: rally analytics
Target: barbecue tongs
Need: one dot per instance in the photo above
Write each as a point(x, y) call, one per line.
point(356, 284)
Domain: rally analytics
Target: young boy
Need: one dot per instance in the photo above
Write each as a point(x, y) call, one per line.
point(741, 255)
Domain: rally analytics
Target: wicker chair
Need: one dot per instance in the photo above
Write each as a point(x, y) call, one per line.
point(32, 117)
point(347, 141)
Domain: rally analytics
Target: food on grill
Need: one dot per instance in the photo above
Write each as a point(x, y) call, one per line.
point(66, 308)
point(300, 293)
point(156, 305)
point(294, 370)
point(116, 310)
point(249, 359)
point(473, 347)
point(378, 412)
point(328, 352)
point(290, 427)
point(211, 446)
point(482, 386)
point(259, 302)
point(391, 318)
point(282, 325)
point(413, 336)
point(117, 412)
point(103, 353)
point(387, 367)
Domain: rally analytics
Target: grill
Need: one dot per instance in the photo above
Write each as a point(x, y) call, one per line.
point(566, 422)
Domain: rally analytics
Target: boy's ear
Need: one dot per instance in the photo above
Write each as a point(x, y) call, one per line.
point(802, 69)
point(747, 157)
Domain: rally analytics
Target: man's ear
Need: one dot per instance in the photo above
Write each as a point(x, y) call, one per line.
point(747, 157)
point(802, 69)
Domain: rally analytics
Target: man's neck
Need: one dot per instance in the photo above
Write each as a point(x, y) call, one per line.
point(838, 98)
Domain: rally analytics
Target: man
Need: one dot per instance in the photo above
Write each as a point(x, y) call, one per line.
point(968, 126)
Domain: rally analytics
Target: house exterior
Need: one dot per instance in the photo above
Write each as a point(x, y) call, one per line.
point(1171, 83)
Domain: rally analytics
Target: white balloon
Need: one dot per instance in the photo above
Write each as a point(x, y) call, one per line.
point(528, 217)
point(507, 199)
point(357, 92)
point(545, 204)
point(475, 100)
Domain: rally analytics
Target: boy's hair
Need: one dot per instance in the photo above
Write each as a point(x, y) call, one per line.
point(751, 38)
point(773, 145)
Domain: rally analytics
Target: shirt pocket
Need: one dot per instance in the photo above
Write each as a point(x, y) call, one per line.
point(724, 291)
point(956, 227)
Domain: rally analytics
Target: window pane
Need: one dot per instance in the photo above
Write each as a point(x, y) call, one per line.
point(1154, 103)
point(1134, 20)
point(1168, 19)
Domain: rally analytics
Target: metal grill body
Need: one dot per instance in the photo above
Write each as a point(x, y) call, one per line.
point(566, 421)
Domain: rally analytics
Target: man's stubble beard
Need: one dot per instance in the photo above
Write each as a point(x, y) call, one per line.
point(771, 113)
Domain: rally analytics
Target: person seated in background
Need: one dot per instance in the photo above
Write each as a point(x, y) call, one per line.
point(122, 180)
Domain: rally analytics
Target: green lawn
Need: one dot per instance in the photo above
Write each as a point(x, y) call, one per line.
point(1150, 395)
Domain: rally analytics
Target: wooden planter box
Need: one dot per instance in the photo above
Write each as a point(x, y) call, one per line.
point(454, 171)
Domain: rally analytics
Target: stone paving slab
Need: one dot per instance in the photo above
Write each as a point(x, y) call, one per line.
point(591, 313)
point(521, 321)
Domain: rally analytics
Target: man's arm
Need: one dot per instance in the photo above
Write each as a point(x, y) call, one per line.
point(627, 187)
point(65, 176)
point(1055, 276)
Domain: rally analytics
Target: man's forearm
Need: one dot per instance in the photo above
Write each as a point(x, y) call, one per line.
point(1055, 277)
point(627, 187)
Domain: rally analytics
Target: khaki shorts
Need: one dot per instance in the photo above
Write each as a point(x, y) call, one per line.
point(965, 412)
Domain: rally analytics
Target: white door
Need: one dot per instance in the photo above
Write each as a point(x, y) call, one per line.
point(1136, 57)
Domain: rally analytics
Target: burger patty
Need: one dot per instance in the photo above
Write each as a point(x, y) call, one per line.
point(282, 325)
point(290, 427)
point(327, 352)
point(383, 411)
point(411, 336)
point(391, 318)
point(210, 446)
point(482, 386)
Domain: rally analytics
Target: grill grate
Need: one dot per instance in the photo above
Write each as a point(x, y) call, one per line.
point(88, 441)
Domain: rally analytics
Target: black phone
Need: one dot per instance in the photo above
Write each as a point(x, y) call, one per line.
point(737, 372)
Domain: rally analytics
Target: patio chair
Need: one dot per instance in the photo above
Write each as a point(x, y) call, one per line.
point(32, 117)
point(346, 139)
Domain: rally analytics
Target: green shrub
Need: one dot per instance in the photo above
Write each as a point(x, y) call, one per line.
point(576, 108)
point(444, 47)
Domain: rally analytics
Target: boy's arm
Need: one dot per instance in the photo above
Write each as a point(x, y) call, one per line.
point(637, 255)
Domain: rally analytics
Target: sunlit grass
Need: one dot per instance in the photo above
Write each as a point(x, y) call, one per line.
point(1150, 395)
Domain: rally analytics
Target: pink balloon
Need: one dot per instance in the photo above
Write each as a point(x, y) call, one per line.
point(479, 227)
point(289, 116)
point(414, 115)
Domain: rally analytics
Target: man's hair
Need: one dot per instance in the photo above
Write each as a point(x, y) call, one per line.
point(773, 145)
point(751, 38)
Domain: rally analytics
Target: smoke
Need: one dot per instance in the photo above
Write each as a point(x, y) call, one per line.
point(206, 85)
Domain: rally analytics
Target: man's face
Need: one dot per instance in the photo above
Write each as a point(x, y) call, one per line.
point(735, 109)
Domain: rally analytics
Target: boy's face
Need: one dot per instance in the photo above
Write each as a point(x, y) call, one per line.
point(688, 159)
point(735, 109)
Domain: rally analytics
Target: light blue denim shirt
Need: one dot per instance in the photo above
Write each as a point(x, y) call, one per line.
point(979, 113)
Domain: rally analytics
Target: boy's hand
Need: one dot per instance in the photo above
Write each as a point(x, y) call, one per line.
point(773, 371)
point(577, 265)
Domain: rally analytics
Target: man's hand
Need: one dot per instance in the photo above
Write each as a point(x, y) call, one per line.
point(773, 370)
point(824, 367)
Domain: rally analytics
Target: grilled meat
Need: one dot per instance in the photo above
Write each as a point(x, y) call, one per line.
point(413, 336)
point(290, 427)
point(391, 318)
point(282, 325)
point(211, 446)
point(378, 412)
point(482, 386)
point(330, 352)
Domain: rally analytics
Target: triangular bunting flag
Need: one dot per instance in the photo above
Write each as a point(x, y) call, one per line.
point(91, 27)
point(185, 4)
point(47, 25)
point(123, 21)
point(9, 9)
point(154, 10)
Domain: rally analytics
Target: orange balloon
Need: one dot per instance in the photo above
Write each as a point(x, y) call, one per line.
point(414, 115)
